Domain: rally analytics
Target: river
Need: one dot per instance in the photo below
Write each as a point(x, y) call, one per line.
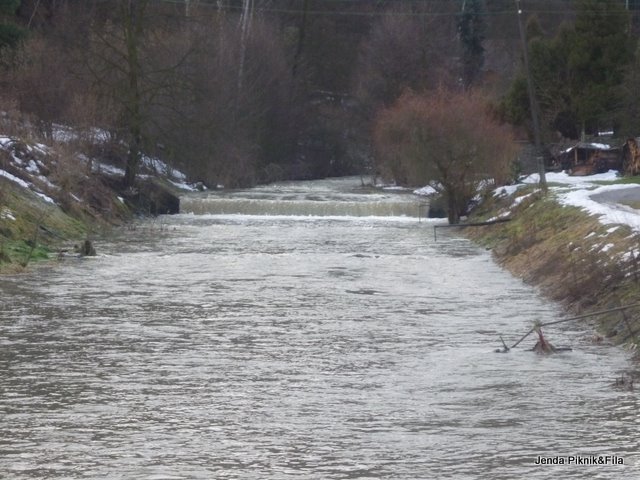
point(236, 346)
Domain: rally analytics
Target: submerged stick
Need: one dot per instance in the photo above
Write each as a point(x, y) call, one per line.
point(579, 317)
point(523, 337)
point(504, 348)
point(465, 225)
point(476, 224)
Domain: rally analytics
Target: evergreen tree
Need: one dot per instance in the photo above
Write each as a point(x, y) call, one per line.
point(630, 115)
point(550, 72)
point(9, 7)
point(578, 74)
point(10, 34)
point(600, 50)
point(471, 31)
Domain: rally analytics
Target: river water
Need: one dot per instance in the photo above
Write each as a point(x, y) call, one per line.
point(234, 346)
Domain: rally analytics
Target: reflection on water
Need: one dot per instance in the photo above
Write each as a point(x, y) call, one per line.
point(280, 347)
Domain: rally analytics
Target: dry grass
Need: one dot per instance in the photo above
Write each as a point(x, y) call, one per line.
point(569, 255)
point(632, 204)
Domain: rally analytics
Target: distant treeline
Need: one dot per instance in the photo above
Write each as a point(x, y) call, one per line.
point(238, 92)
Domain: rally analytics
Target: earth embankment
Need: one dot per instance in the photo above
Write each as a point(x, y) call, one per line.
point(569, 254)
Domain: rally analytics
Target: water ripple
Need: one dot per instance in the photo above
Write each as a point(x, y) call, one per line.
point(226, 349)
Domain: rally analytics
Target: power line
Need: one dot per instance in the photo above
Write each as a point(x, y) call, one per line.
point(391, 12)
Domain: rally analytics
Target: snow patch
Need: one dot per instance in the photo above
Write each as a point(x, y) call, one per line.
point(519, 200)
point(499, 216)
point(424, 191)
point(607, 213)
point(45, 198)
point(14, 179)
point(564, 178)
point(577, 192)
point(32, 167)
point(183, 186)
point(99, 167)
point(607, 247)
point(7, 214)
point(507, 190)
point(46, 182)
point(24, 184)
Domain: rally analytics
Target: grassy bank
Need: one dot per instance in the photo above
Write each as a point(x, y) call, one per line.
point(54, 196)
point(34, 230)
point(572, 257)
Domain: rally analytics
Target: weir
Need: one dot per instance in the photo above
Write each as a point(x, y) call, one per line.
point(298, 347)
point(326, 198)
point(244, 206)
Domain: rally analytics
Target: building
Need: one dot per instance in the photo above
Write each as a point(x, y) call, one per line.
point(586, 158)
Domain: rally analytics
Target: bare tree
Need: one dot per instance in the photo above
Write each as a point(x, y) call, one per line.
point(407, 48)
point(225, 131)
point(448, 140)
point(130, 66)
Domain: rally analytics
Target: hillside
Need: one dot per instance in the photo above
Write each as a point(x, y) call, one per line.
point(578, 244)
point(51, 198)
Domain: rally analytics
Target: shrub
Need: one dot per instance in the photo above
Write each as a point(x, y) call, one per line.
point(448, 140)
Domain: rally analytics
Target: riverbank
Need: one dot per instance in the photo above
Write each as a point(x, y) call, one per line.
point(53, 198)
point(584, 260)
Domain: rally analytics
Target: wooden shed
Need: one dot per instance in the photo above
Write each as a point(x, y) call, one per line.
point(585, 158)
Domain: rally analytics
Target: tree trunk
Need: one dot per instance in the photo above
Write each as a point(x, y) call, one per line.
point(301, 37)
point(452, 208)
point(133, 157)
point(245, 31)
point(133, 12)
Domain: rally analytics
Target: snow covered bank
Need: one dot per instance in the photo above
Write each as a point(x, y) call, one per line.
point(53, 193)
point(578, 244)
point(588, 194)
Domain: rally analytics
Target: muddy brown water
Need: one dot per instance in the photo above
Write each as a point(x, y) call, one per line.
point(297, 347)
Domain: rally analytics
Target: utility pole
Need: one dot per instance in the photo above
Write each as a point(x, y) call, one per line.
point(533, 105)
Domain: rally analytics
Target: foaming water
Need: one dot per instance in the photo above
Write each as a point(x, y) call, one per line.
point(243, 347)
point(334, 197)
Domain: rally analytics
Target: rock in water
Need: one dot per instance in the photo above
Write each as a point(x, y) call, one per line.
point(87, 249)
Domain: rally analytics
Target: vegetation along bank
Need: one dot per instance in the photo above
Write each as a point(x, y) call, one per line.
point(584, 261)
point(53, 203)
